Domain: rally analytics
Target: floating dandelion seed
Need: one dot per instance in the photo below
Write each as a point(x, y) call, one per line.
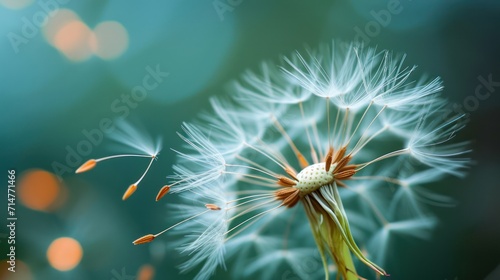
point(163, 191)
point(138, 142)
point(302, 141)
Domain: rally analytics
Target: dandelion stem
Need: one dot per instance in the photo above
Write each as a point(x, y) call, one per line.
point(365, 142)
point(349, 264)
point(301, 159)
point(181, 222)
point(366, 129)
point(147, 169)
point(256, 182)
point(250, 209)
point(251, 162)
point(334, 127)
point(265, 154)
point(344, 127)
point(276, 154)
point(251, 176)
point(267, 172)
point(253, 217)
point(359, 122)
point(126, 155)
point(389, 155)
point(253, 198)
point(244, 192)
point(330, 144)
point(256, 231)
point(316, 139)
point(314, 155)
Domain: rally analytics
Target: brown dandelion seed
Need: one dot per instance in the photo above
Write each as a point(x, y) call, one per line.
point(145, 239)
point(163, 191)
point(289, 196)
point(212, 207)
point(302, 160)
point(291, 172)
point(347, 167)
point(328, 159)
point(284, 193)
point(341, 164)
point(345, 174)
point(292, 199)
point(286, 182)
point(129, 191)
point(89, 164)
point(340, 154)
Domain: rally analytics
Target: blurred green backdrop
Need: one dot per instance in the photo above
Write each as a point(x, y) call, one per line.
point(67, 65)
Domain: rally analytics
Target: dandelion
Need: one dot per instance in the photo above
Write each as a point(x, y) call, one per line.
point(329, 150)
point(140, 143)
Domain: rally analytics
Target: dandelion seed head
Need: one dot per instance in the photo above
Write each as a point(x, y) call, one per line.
point(342, 117)
point(313, 177)
point(330, 149)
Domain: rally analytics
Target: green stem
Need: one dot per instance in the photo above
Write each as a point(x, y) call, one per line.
point(351, 269)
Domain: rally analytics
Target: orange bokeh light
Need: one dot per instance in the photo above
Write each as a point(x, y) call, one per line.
point(22, 271)
point(56, 22)
point(64, 253)
point(146, 272)
point(111, 40)
point(75, 39)
point(40, 190)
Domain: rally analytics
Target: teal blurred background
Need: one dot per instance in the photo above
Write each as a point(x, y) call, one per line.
point(68, 65)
